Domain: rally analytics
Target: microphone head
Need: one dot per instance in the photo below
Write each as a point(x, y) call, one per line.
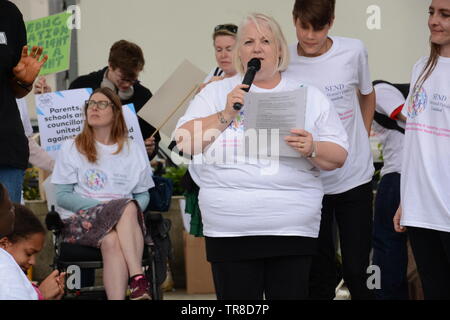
point(254, 64)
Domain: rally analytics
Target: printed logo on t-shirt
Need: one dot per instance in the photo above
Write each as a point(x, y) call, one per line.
point(3, 39)
point(439, 102)
point(238, 123)
point(95, 179)
point(417, 103)
point(337, 92)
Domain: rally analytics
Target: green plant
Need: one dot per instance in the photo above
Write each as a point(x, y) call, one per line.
point(175, 174)
point(31, 184)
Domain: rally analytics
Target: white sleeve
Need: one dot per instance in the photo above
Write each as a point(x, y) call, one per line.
point(327, 125)
point(39, 157)
point(201, 106)
point(145, 175)
point(388, 99)
point(65, 170)
point(23, 109)
point(364, 80)
point(12, 283)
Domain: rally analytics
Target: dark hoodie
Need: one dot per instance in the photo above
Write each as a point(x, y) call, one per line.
point(13, 142)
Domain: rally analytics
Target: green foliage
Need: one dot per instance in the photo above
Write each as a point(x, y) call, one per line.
point(175, 174)
point(380, 149)
point(31, 184)
point(377, 174)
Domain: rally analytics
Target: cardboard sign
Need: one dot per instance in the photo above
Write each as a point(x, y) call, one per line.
point(170, 102)
point(54, 36)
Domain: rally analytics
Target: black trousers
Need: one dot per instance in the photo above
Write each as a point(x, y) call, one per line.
point(275, 278)
point(431, 250)
point(353, 213)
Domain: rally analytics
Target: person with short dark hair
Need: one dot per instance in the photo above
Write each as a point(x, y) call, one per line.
point(339, 67)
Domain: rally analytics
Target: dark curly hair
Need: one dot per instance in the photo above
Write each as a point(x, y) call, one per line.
point(26, 224)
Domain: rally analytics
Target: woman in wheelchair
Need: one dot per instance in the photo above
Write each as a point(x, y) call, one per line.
point(101, 179)
point(23, 244)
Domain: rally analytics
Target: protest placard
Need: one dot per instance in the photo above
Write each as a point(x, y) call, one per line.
point(134, 131)
point(61, 117)
point(54, 36)
point(170, 102)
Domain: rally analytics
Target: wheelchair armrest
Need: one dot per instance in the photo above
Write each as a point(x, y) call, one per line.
point(53, 221)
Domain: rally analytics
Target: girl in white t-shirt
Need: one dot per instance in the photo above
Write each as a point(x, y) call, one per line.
point(425, 197)
point(18, 252)
point(102, 180)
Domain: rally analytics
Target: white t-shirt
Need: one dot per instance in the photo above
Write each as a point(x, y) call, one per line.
point(238, 198)
point(14, 285)
point(425, 183)
point(216, 72)
point(339, 73)
point(114, 176)
point(389, 99)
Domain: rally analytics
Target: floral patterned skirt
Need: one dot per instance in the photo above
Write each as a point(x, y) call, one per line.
point(89, 227)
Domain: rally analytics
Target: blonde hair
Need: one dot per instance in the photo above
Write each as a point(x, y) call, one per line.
point(260, 19)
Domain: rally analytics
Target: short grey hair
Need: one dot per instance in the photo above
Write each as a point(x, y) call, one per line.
point(259, 19)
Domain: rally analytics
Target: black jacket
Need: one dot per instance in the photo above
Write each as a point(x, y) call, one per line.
point(13, 142)
point(139, 99)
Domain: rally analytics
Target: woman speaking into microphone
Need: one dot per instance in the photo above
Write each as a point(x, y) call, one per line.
point(260, 230)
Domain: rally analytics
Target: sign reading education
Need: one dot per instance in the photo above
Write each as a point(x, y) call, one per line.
point(54, 36)
point(61, 117)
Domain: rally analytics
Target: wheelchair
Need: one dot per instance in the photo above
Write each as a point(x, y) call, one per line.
point(73, 258)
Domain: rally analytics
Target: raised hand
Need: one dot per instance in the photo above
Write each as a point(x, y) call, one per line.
point(150, 145)
point(29, 65)
point(41, 86)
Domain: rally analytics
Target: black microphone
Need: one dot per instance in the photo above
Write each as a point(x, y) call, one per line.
point(253, 67)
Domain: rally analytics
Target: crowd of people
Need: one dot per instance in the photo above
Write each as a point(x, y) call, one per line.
point(271, 236)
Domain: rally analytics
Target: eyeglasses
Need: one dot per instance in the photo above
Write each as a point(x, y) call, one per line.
point(130, 81)
point(102, 105)
point(122, 79)
point(228, 27)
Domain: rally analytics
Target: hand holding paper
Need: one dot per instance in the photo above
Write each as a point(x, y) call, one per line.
point(301, 141)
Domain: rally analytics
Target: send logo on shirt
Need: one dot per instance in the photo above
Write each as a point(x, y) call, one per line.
point(418, 103)
point(95, 179)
